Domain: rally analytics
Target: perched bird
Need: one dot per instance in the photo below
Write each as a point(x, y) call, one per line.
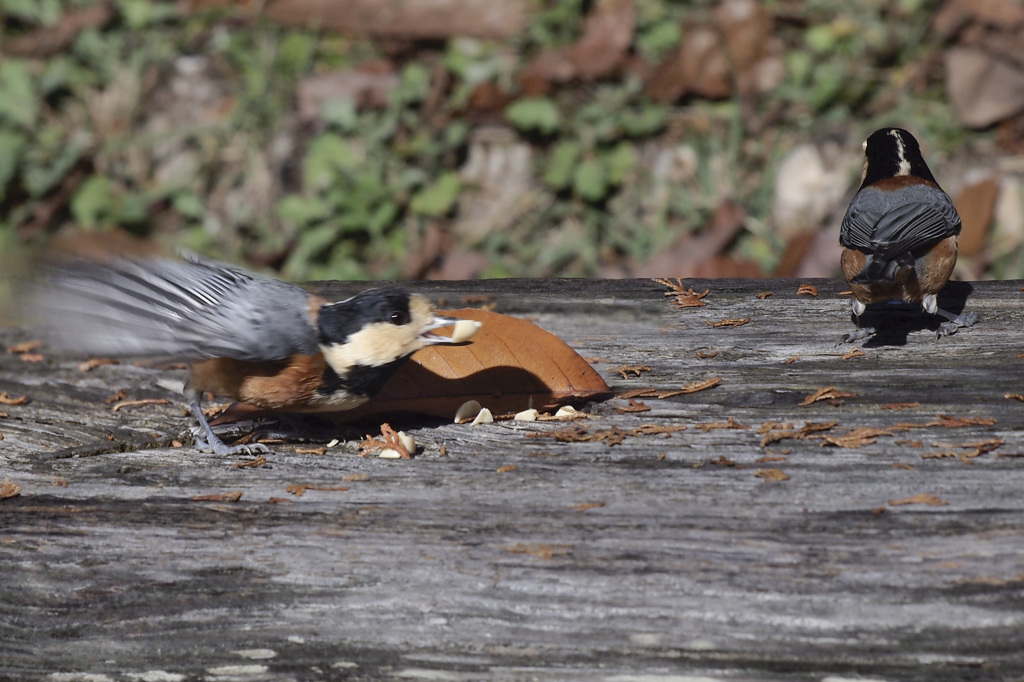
point(249, 337)
point(899, 233)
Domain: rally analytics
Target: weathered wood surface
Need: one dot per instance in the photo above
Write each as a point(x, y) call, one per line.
point(664, 556)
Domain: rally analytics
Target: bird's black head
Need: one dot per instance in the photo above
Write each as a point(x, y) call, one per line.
point(893, 152)
point(376, 329)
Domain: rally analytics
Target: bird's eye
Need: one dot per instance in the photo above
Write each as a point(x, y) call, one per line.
point(398, 317)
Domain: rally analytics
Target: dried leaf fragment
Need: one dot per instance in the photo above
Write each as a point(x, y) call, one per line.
point(506, 468)
point(259, 461)
point(633, 406)
point(9, 489)
point(24, 347)
point(6, 399)
point(864, 435)
point(769, 459)
point(790, 361)
point(807, 290)
point(773, 432)
point(1014, 396)
point(731, 322)
point(32, 357)
point(829, 393)
point(138, 403)
point(706, 355)
point(730, 423)
point(951, 422)
point(772, 475)
point(93, 363)
point(764, 294)
point(389, 440)
point(853, 353)
point(683, 297)
point(219, 497)
point(311, 451)
point(299, 489)
point(899, 406)
point(923, 498)
point(635, 370)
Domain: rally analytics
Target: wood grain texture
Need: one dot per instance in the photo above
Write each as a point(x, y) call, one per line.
point(667, 554)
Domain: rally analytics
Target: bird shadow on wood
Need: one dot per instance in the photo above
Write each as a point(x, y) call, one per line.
point(896, 320)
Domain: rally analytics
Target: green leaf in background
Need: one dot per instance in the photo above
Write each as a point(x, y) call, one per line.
point(139, 14)
point(18, 101)
point(538, 114)
point(414, 84)
point(562, 164)
point(301, 211)
point(93, 201)
point(328, 154)
point(42, 172)
point(188, 205)
point(647, 120)
point(341, 113)
point(656, 40)
point(45, 12)
point(11, 146)
point(591, 180)
point(620, 162)
point(437, 199)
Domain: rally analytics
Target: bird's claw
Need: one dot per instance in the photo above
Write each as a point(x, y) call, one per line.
point(964, 319)
point(859, 334)
point(217, 447)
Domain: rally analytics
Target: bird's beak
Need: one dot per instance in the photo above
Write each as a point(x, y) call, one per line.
point(462, 330)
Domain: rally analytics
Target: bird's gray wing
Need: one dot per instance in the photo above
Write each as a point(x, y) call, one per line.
point(888, 230)
point(173, 309)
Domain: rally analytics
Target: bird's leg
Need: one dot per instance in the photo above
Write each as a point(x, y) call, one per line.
point(207, 441)
point(860, 333)
point(953, 322)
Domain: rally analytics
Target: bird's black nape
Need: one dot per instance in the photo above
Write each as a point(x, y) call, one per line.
point(892, 152)
point(338, 321)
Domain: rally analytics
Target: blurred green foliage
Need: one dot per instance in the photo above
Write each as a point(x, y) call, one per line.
point(352, 194)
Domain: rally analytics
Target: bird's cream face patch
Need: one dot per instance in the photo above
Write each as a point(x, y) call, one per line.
point(381, 343)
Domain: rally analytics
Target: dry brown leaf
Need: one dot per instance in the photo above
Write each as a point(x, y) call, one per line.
point(24, 347)
point(951, 422)
point(31, 357)
point(510, 365)
point(983, 88)
point(696, 386)
point(279, 500)
point(764, 294)
point(259, 461)
point(633, 406)
point(853, 353)
point(356, 477)
point(807, 290)
point(635, 370)
point(219, 497)
point(311, 451)
point(137, 403)
point(299, 489)
point(731, 423)
point(790, 361)
point(683, 296)
point(706, 355)
point(654, 429)
point(117, 397)
point(772, 432)
point(976, 203)
point(9, 489)
point(899, 406)
point(1014, 396)
point(584, 506)
point(389, 439)
point(910, 442)
point(901, 465)
point(923, 498)
point(731, 322)
point(772, 475)
point(769, 459)
point(93, 363)
point(506, 468)
point(828, 393)
point(6, 399)
point(865, 435)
